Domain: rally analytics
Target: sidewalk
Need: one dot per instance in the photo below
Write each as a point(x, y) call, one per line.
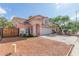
point(75, 51)
point(68, 40)
point(62, 38)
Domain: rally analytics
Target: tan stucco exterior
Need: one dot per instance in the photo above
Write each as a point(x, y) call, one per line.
point(39, 20)
point(38, 25)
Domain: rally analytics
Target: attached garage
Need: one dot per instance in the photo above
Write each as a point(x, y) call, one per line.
point(45, 31)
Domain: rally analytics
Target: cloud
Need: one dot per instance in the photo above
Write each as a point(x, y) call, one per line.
point(2, 11)
point(74, 17)
point(60, 5)
point(78, 15)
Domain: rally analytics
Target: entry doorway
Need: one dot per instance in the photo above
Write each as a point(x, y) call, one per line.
point(37, 29)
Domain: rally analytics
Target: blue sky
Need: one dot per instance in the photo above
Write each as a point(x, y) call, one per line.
point(30, 9)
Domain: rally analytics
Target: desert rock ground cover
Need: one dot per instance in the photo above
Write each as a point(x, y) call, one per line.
point(35, 46)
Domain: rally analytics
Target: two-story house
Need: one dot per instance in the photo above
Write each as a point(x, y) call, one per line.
point(35, 25)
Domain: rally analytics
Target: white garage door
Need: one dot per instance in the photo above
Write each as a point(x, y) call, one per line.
point(45, 31)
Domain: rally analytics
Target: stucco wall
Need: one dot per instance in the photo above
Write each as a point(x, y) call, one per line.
point(33, 23)
point(40, 21)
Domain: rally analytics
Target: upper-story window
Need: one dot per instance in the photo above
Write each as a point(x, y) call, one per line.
point(45, 21)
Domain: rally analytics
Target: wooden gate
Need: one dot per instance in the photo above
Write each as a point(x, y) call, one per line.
point(10, 32)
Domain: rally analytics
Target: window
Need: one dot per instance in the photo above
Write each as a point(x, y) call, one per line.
point(27, 33)
point(46, 21)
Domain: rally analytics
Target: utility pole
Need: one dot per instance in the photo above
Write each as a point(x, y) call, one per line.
point(76, 16)
point(76, 21)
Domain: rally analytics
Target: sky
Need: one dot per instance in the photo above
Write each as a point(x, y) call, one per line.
point(24, 10)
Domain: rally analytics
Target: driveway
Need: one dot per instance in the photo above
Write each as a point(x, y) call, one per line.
point(66, 39)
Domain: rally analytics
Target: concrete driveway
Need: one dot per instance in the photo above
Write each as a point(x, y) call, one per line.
point(68, 40)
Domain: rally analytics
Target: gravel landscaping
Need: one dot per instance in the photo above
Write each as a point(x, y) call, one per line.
point(36, 46)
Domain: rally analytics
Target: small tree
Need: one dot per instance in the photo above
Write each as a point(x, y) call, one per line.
point(3, 22)
point(9, 24)
point(60, 21)
point(30, 16)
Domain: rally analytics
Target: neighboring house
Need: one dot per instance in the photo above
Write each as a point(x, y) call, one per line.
point(23, 25)
point(35, 25)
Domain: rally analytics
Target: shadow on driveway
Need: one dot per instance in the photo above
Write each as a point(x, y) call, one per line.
point(12, 39)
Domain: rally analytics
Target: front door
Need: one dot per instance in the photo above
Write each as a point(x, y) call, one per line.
point(37, 29)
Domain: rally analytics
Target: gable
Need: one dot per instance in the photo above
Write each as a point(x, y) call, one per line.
point(38, 17)
point(18, 20)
